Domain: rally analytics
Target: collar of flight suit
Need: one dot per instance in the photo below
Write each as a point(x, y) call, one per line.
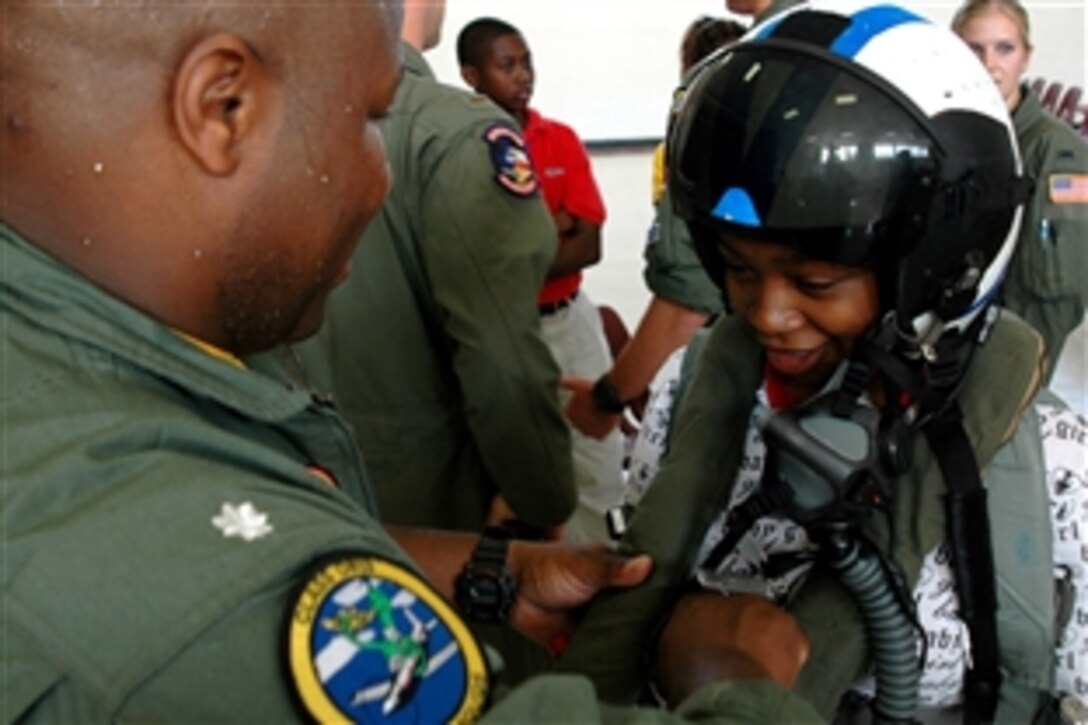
point(40, 288)
point(1027, 112)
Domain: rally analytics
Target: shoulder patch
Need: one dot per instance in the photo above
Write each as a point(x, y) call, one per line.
point(513, 168)
point(1068, 188)
point(370, 641)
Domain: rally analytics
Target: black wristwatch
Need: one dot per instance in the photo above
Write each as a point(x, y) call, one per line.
point(606, 397)
point(484, 590)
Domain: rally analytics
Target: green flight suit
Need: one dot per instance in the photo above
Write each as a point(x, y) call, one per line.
point(122, 442)
point(695, 483)
point(1047, 283)
point(432, 348)
point(125, 594)
point(673, 271)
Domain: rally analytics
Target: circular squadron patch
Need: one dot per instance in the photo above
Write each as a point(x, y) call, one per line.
point(369, 641)
point(513, 169)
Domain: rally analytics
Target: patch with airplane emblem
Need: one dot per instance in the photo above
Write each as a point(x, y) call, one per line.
point(513, 168)
point(370, 641)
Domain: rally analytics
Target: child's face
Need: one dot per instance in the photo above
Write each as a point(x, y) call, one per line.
point(506, 74)
point(806, 313)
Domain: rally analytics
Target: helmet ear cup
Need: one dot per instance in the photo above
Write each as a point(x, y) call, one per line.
point(968, 222)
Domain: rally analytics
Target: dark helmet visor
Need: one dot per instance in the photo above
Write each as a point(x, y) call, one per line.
point(775, 143)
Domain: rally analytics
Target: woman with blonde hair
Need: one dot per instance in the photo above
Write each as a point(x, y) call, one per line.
point(1046, 281)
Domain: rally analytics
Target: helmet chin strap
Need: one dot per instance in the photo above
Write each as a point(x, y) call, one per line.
point(934, 386)
point(929, 365)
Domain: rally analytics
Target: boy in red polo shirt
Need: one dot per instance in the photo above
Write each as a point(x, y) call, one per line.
point(496, 62)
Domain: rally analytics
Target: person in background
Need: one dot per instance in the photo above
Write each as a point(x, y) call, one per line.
point(1069, 380)
point(1047, 281)
point(702, 37)
point(828, 450)
point(758, 10)
point(188, 532)
point(495, 61)
point(433, 348)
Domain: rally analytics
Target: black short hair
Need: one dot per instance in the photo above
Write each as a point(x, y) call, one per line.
point(704, 36)
point(475, 38)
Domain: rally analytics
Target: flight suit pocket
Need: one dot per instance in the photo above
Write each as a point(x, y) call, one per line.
point(1055, 251)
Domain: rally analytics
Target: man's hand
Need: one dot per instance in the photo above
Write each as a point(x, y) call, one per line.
point(556, 580)
point(583, 413)
point(710, 638)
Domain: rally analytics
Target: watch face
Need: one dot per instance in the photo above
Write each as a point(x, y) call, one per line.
point(485, 594)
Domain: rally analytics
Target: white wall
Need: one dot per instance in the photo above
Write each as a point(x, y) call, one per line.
point(624, 178)
point(608, 67)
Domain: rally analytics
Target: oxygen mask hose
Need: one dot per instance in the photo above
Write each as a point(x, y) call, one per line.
point(830, 464)
point(891, 634)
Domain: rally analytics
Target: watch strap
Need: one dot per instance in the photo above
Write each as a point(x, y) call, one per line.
point(493, 546)
point(606, 397)
point(484, 590)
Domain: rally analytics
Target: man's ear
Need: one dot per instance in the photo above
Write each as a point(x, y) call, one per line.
point(470, 75)
point(220, 93)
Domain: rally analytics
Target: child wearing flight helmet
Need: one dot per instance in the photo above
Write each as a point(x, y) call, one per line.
point(851, 181)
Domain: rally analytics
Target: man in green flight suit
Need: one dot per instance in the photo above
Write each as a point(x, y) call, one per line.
point(183, 186)
point(432, 349)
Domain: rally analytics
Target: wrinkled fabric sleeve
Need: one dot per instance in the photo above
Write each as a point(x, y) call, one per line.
point(673, 270)
point(614, 642)
point(485, 252)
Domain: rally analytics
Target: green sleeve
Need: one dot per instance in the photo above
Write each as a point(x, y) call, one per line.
point(192, 609)
point(486, 251)
point(614, 642)
point(568, 698)
point(673, 270)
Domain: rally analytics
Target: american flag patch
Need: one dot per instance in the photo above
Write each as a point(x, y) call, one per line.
point(1068, 188)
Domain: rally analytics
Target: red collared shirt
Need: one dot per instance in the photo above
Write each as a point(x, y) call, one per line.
point(566, 179)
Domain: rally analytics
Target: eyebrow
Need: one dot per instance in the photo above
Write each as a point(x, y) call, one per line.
point(787, 255)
